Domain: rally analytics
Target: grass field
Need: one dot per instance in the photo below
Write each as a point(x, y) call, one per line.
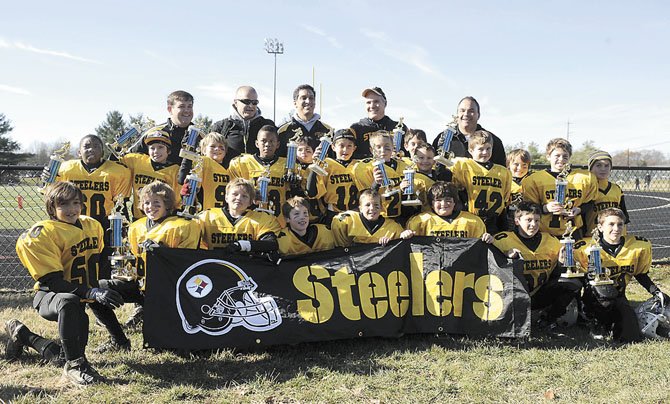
point(417, 368)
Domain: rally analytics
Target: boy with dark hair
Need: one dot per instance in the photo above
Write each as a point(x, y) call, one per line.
point(486, 184)
point(609, 193)
point(62, 254)
point(446, 219)
point(541, 254)
point(300, 237)
point(624, 257)
point(581, 189)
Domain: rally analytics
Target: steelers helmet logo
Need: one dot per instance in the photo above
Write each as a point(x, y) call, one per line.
point(199, 286)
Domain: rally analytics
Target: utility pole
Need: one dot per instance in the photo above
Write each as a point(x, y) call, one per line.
point(567, 133)
point(273, 46)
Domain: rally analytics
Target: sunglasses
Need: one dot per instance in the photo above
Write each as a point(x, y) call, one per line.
point(247, 101)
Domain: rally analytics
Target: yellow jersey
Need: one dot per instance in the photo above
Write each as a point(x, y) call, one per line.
point(363, 175)
point(144, 171)
point(609, 195)
point(250, 167)
point(318, 238)
point(462, 225)
point(218, 228)
point(488, 189)
point(350, 227)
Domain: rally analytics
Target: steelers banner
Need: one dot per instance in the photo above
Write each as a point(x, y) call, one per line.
point(207, 299)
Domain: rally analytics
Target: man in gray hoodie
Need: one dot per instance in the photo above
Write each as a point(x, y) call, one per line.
point(241, 127)
point(304, 119)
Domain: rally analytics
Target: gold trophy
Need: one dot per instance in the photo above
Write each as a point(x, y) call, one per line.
point(121, 259)
point(410, 198)
point(264, 204)
point(444, 155)
point(319, 165)
point(123, 143)
point(189, 146)
point(386, 182)
point(292, 168)
point(190, 205)
point(600, 275)
point(569, 245)
point(398, 138)
point(55, 160)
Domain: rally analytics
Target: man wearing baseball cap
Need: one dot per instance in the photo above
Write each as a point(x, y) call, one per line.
point(375, 105)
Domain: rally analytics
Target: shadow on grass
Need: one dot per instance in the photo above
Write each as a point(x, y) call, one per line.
point(9, 393)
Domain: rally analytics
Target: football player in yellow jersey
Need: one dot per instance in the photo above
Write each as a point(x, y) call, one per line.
point(518, 163)
point(609, 194)
point(237, 228)
point(253, 166)
point(339, 189)
point(367, 226)
point(61, 254)
point(413, 138)
point(156, 166)
point(540, 253)
point(101, 181)
point(487, 185)
point(540, 188)
point(445, 218)
point(426, 172)
point(625, 257)
point(214, 173)
point(300, 237)
point(305, 157)
point(368, 175)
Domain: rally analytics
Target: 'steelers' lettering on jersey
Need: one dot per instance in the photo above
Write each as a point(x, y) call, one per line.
point(572, 193)
point(449, 233)
point(89, 243)
point(340, 178)
point(487, 182)
point(87, 185)
point(221, 178)
point(226, 238)
point(142, 179)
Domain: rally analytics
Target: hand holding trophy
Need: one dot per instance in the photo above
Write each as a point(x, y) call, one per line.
point(121, 258)
point(379, 164)
point(50, 171)
point(189, 146)
point(190, 206)
point(444, 155)
point(319, 165)
point(600, 275)
point(410, 198)
point(264, 204)
point(569, 251)
point(122, 143)
point(292, 170)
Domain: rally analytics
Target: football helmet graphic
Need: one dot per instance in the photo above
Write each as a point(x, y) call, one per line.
point(653, 317)
point(213, 296)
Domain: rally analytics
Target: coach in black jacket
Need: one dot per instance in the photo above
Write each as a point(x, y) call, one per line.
point(241, 127)
point(375, 105)
point(304, 119)
point(467, 116)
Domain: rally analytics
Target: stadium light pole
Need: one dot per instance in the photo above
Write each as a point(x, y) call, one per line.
point(274, 47)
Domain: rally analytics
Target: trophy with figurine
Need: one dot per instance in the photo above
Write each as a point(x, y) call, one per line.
point(319, 165)
point(189, 146)
point(444, 155)
point(124, 142)
point(408, 194)
point(263, 202)
point(600, 275)
point(121, 259)
point(386, 183)
point(398, 138)
point(569, 246)
point(190, 205)
point(292, 168)
point(50, 171)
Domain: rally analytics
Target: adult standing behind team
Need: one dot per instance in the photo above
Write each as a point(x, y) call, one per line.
point(375, 105)
point(467, 117)
point(304, 119)
point(180, 108)
point(241, 127)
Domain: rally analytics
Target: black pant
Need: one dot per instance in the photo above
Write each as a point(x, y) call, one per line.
point(68, 310)
point(129, 290)
point(615, 314)
point(555, 296)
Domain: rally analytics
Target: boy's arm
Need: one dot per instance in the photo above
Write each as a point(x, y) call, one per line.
point(184, 170)
point(622, 206)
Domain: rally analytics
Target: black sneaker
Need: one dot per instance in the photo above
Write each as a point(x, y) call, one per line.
point(80, 372)
point(136, 319)
point(113, 346)
point(14, 347)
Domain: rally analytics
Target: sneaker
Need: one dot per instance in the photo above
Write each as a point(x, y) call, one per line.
point(113, 346)
point(136, 318)
point(14, 347)
point(80, 372)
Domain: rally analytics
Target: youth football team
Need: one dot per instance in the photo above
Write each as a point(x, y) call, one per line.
point(356, 201)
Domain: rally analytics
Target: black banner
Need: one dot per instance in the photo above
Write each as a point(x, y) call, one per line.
point(205, 300)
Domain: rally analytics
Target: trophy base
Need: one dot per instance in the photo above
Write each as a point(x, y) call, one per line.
point(124, 277)
point(121, 258)
point(572, 274)
point(444, 161)
point(390, 192)
point(189, 155)
point(187, 214)
point(601, 282)
point(317, 169)
point(411, 202)
point(265, 210)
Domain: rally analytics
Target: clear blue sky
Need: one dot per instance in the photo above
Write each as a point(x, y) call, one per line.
point(532, 65)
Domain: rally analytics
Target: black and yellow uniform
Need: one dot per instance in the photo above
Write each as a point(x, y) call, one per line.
point(352, 227)
point(144, 171)
point(609, 195)
point(516, 196)
point(363, 175)
point(540, 187)
point(318, 238)
point(338, 189)
point(487, 186)
point(170, 231)
point(215, 177)
point(423, 182)
point(539, 254)
point(362, 130)
point(251, 167)
point(218, 228)
point(288, 131)
point(54, 246)
point(316, 208)
point(100, 185)
point(459, 224)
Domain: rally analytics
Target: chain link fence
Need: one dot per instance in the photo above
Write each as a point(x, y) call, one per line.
point(647, 191)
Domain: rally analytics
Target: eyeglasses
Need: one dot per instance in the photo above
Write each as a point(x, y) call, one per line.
point(247, 101)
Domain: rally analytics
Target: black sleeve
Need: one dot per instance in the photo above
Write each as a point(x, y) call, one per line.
point(54, 282)
point(498, 156)
point(647, 283)
point(443, 173)
point(184, 170)
point(622, 206)
point(267, 242)
point(125, 211)
point(311, 184)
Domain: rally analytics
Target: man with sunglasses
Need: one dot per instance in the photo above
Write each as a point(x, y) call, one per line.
point(241, 128)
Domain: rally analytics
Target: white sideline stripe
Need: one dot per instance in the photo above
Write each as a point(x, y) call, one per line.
point(667, 205)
